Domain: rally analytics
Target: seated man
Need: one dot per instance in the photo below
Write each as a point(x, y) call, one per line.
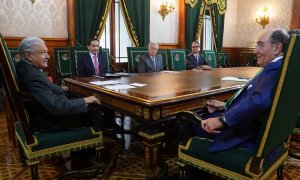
point(93, 63)
point(236, 123)
point(150, 62)
point(62, 113)
point(195, 60)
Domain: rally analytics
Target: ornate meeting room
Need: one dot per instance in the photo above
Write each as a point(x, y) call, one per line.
point(149, 89)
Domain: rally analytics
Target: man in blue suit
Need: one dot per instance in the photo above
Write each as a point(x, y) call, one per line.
point(150, 62)
point(236, 123)
point(195, 60)
point(92, 63)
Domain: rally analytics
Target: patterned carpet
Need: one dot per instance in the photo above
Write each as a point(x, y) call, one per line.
point(122, 161)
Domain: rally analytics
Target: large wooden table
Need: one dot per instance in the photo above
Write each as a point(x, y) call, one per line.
point(164, 95)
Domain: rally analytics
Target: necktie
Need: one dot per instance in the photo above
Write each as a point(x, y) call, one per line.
point(196, 56)
point(96, 63)
point(154, 62)
point(229, 101)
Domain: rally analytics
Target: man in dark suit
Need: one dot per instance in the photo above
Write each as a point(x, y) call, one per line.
point(236, 123)
point(195, 60)
point(62, 113)
point(92, 63)
point(150, 62)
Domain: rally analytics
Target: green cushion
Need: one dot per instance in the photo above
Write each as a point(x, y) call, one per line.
point(176, 58)
point(48, 140)
point(233, 161)
point(133, 54)
point(210, 57)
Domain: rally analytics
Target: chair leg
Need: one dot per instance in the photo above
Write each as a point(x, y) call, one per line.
point(99, 161)
point(182, 170)
point(280, 171)
point(34, 170)
point(22, 156)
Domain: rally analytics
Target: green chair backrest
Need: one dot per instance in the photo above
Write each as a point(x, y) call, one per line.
point(164, 54)
point(8, 77)
point(14, 54)
point(133, 54)
point(76, 52)
point(106, 53)
point(62, 62)
point(210, 57)
point(176, 58)
point(221, 59)
point(226, 58)
point(285, 108)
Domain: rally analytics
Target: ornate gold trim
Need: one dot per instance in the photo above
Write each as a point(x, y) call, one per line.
point(221, 4)
point(200, 20)
point(210, 167)
point(156, 114)
point(103, 19)
point(146, 113)
point(192, 3)
point(130, 30)
point(277, 95)
point(151, 136)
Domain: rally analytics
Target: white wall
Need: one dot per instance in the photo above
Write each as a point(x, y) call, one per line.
point(44, 18)
point(245, 31)
point(164, 31)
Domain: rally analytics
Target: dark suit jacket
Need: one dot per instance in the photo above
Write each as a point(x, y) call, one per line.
point(247, 111)
point(51, 96)
point(85, 66)
point(146, 65)
point(191, 61)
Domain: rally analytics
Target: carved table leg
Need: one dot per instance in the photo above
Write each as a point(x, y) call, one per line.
point(153, 160)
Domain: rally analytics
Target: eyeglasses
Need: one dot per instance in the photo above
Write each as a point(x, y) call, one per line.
point(195, 46)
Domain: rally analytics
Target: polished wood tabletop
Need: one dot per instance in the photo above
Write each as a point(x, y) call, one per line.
point(165, 94)
point(164, 87)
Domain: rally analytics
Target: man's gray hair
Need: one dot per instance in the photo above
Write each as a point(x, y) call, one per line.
point(151, 44)
point(28, 45)
point(280, 36)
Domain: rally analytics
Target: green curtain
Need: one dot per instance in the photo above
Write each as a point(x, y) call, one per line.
point(194, 21)
point(137, 19)
point(217, 15)
point(90, 18)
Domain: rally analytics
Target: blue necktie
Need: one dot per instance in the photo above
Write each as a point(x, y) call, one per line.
point(154, 62)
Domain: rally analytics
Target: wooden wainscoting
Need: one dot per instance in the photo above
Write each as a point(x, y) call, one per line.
point(238, 55)
point(51, 43)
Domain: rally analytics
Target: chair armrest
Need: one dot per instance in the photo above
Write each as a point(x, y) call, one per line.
point(112, 66)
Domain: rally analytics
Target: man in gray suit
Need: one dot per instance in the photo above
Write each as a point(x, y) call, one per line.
point(61, 113)
point(150, 62)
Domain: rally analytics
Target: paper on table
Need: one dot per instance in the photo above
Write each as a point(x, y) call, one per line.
point(117, 87)
point(234, 79)
point(170, 71)
point(138, 84)
point(103, 83)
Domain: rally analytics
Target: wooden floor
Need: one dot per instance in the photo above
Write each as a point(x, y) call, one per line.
point(122, 160)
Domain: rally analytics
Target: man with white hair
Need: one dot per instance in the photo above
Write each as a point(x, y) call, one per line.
point(62, 113)
point(150, 62)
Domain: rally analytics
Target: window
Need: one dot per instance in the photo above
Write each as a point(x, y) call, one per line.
point(207, 42)
point(120, 35)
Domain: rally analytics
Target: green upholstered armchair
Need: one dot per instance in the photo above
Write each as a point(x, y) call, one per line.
point(14, 54)
point(274, 133)
point(133, 54)
point(223, 59)
point(36, 146)
point(62, 62)
point(210, 57)
point(176, 58)
point(76, 52)
point(163, 53)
